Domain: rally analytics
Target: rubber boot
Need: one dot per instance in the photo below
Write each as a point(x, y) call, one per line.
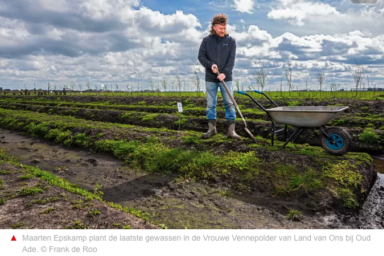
point(211, 129)
point(231, 130)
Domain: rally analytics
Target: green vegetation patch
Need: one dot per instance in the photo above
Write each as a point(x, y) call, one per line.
point(369, 137)
point(30, 191)
point(348, 197)
point(93, 212)
point(149, 117)
point(26, 177)
point(5, 172)
point(294, 214)
point(47, 211)
point(156, 157)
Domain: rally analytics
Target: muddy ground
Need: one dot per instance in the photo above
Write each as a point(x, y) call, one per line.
point(356, 105)
point(372, 213)
point(261, 128)
point(186, 205)
point(176, 205)
point(362, 118)
point(34, 203)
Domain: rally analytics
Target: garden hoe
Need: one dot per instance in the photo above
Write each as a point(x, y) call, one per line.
point(238, 110)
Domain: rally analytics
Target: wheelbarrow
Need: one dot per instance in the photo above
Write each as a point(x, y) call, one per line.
point(335, 141)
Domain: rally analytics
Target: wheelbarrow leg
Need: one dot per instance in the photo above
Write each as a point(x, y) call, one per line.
point(297, 131)
point(298, 134)
point(323, 131)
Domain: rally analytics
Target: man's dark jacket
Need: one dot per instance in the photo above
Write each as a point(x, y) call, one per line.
point(220, 51)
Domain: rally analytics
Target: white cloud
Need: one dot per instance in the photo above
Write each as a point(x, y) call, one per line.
point(329, 18)
point(253, 36)
point(111, 42)
point(101, 9)
point(296, 12)
point(158, 23)
point(245, 6)
point(57, 5)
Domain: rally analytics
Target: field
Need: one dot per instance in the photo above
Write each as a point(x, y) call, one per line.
point(134, 153)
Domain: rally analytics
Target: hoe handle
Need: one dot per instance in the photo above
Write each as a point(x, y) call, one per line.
point(234, 102)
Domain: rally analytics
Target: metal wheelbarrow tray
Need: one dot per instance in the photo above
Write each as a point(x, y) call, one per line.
point(335, 141)
point(305, 116)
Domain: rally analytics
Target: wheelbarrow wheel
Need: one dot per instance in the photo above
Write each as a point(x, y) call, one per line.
point(337, 143)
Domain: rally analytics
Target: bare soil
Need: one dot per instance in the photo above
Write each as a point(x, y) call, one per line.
point(186, 205)
point(55, 208)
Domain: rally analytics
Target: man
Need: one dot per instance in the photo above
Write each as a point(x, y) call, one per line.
point(217, 54)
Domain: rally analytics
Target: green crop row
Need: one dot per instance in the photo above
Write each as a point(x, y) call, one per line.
point(176, 153)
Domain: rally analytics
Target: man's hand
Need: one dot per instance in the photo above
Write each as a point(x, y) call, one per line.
point(214, 68)
point(221, 77)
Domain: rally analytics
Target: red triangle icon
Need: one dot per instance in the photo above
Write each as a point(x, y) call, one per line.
point(13, 238)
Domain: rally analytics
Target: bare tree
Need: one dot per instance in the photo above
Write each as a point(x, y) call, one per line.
point(320, 77)
point(237, 83)
point(333, 88)
point(281, 86)
point(288, 76)
point(164, 84)
point(261, 78)
point(357, 73)
point(128, 88)
point(73, 86)
point(150, 84)
point(196, 79)
point(178, 82)
point(88, 85)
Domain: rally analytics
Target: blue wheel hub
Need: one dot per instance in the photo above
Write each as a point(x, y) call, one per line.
point(335, 142)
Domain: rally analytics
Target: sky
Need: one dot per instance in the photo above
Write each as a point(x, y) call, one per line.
point(130, 42)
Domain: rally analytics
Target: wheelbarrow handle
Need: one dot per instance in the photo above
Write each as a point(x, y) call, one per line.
point(274, 103)
point(255, 101)
point(241, 92)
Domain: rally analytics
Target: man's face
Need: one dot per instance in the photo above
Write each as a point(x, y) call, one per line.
point(220, 29)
